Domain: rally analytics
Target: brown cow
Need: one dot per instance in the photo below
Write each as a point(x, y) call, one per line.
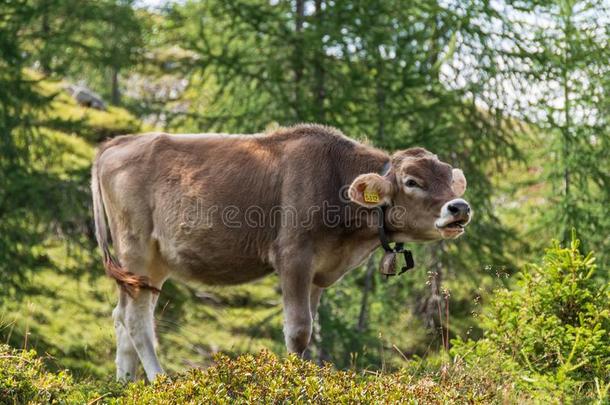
point(227, 209)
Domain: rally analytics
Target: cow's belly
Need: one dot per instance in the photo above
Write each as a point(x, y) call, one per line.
point(201, 261)
point(227, 272)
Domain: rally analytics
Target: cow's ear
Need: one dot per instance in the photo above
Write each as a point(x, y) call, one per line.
point(370, 190)
point(458, 183)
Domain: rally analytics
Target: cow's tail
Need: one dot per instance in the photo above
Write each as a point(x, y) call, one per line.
point(130, 282)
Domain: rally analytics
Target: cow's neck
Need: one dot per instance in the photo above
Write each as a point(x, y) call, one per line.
point(363, 159)
point(379, 231)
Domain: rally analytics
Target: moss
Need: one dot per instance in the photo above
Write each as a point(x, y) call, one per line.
point(90, 124)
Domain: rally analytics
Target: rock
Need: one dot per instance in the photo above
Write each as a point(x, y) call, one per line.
point(86, 97)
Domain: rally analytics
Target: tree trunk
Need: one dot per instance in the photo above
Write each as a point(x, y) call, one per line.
point(116, 92)
point(45, 58)
point(368, 287)
point(298, 59)
point(381, 101)
point(565, 129)
point(319, 91)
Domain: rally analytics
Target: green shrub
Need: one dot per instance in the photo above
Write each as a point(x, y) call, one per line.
point(88, 123)
point(24, 380)
point(554, 327)
point(65, 115)
point(261, 378)
point(265, 378)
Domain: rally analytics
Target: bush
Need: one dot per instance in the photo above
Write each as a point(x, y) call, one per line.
point(261, 378)
point(554, 327)
point(65, 115)
point(265, 378)
point(24, 380)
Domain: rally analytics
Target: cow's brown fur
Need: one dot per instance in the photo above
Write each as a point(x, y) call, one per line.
point(151, 185)
point(298, 167)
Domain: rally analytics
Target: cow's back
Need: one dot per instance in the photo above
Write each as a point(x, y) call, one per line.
point(212, 204)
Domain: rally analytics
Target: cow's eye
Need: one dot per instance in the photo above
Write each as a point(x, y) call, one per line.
point(412, 183)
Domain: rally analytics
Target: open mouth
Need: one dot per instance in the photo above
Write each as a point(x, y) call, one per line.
point(459, 224)
point(452, 228)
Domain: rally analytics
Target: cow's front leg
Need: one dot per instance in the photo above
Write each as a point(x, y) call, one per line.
point(295, 276)
point(314, 300)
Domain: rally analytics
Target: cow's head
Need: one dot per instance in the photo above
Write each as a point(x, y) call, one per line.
point(422, 194)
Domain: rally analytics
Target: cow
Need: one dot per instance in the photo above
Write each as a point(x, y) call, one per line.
point(306, 202)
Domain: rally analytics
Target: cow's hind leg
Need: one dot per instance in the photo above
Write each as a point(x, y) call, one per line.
point(139, 324)
point(137, 312)
point(131, 228)
point(126, 355)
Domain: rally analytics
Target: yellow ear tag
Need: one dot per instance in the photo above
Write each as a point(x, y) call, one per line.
point(371, 196)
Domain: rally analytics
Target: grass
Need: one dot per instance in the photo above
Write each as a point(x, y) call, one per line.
point(92, 125)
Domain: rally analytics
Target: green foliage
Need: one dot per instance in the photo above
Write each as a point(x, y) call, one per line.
point(261, 378)
point(92, 125)
point(19, 102)
point(24, 380)
point(563, 63)
point(266, 379)
point(554, 326)
point(44, 178)
point(92, 41)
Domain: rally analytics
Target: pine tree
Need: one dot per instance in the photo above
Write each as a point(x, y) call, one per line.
point(565, 57)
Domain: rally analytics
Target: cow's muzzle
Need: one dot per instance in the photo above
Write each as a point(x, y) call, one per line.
point(454, 217)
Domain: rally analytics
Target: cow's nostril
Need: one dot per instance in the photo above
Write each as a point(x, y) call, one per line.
point(459, 208)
